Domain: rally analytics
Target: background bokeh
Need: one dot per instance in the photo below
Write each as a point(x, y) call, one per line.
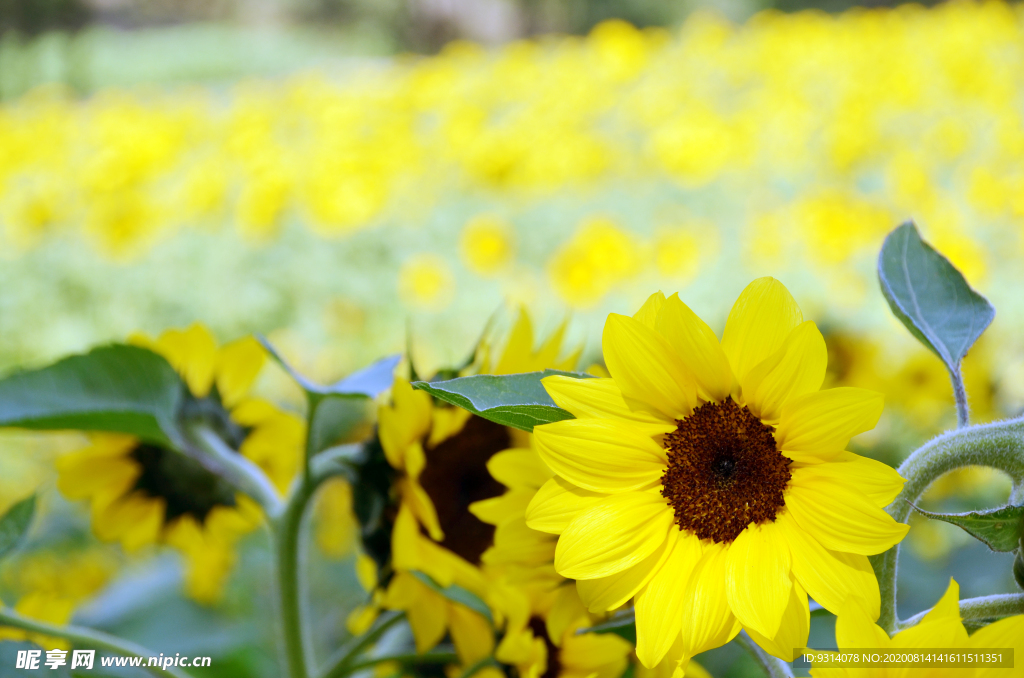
point(344, 174)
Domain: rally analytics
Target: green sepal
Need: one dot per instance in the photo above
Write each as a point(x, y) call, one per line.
point(930, 296)
point(1001, 529)
point(117, 388)
point(15, 523)
point(516, 400)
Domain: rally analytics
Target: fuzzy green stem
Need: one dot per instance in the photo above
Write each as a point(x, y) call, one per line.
point(341, 664)
point(773, 667)
point(246, 476)
point(287, 531)
point(999, 445)
point(435, 656)
point(963, 413)
point(87, 638)
point(986, 607)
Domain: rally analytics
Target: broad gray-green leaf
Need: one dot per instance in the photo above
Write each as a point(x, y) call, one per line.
point(1002, 528)
point(15, 523)
point(457, 594)
point(516, 400)
point(119, 388)
point(333, 406)
point(930, 296)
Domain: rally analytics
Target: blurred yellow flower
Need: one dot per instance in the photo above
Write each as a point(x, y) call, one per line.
point(487, 244)
point(425, 282)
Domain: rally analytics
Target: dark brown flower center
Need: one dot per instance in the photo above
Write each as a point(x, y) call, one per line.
point(540, 630)
point(183, 484)
point(723, 471)
point(456, 475)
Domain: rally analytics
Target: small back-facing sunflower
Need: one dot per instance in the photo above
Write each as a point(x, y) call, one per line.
point(437, 456)
point(709, 480)
point(141, 493)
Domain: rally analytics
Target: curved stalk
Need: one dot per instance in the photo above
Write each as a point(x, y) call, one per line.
point(986, 607)
point(286, 532)
point(999, 445)
point(773, 667)
point(339, 665)
point(87, 638)
point(963, 412)
point(246, 476)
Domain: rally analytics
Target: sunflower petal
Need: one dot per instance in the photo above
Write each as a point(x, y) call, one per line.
point(648, 313)
point(841, 518)
point(502, 509)
point(519, 467)
point(556, 503)
point(600, 455)
point(193, 353)
point(819, 425)
point(601, 399)
point(617, 532)
point(471, 634)
point(758, 324)
point(698, 347)
point(238, 364)
point(793, 631)
point(879, 482)
point(829, 577)
point(659, 604)
point(708, 621)
point(646, 368)
point(855, 629)
point(795, 369)
point(613, 591)
point(1007, 632)
point(757, 577)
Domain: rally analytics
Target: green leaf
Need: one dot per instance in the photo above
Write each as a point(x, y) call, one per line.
point(622, 624)
point(516, 400)
point(1002, 528)
point(930, 296)
point(457, 594)
point(15, 523)
point(119, 388)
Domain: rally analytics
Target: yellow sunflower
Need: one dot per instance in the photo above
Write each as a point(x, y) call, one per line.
point(709, 480)
point(141, 493)
point(941, 628)
point(439, 456)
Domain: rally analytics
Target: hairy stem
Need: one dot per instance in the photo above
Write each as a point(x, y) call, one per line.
point(963, 413)
point(246, 476)
point(999, 445)
point(773, 668)
point(88, 639)
point(287, 531)
point(986, 607)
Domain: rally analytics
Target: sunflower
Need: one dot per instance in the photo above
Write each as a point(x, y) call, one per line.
point(141, 493)
point(438, 458)
point(709, 482)
point(941, 628)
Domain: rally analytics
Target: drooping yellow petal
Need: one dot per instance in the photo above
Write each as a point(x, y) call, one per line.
point(418, 501)
point(830, 577)
point(600, 455)
point(793, 631)
point(708, 621)
point(238, 364)
point(193, 353)
point(648, 313)
point(406, 420)
point(520, 544)
point(819, 425)
point(565, 611)
point(428, 616)
point(879, 482)
point(518, 347)
point(646, 368)
point(613, 591)
point(1005, 633)
point(594, 655)
point(498, 510)
point(758, 324)
point(615, 533)
point(839, 517)
point(798, 367)
point(601, 399)
point(556, 503)
point(698, 347)
point(471, 634)
point(757, 577)
point(659, 604)
point(519, 467)
point(855, 629)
